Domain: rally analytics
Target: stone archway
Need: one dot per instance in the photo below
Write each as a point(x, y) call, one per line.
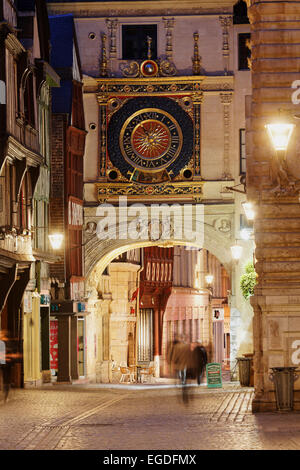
point(99, 253)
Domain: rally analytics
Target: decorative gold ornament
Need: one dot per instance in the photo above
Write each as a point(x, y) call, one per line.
point(103, 62)
point(196, 59)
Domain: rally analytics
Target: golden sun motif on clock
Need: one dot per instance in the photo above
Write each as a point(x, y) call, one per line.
point(150, 139)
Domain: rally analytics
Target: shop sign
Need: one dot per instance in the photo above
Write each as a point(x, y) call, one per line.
point(53, 345)
point(214, 375)
point(75, 214)
point(45, 299)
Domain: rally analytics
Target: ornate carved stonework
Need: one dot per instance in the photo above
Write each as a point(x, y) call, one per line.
point(102, 100)
point(103, 62)
point(285, 183)
point(226, 99)
point(226, 22)
point(196, 59)
point(110, 190)
point(116, 94)
point(130, 70)
point(167, 67)
point(112, 28)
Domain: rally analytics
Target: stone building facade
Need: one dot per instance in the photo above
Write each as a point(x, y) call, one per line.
point(273, 186)
point(66, 203)
point(193, 66)
point(26, 80)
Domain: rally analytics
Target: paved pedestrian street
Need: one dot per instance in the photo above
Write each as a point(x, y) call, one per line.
point(95, 417)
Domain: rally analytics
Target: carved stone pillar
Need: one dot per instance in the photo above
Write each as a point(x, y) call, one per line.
point(169, 25)
point(112, 24)
point(102, 100)
point(226, 99)
point(167, 67)
point(226, 22)
point(275, 193)
point(196, 59)
point(103, 60)
point(197, 101)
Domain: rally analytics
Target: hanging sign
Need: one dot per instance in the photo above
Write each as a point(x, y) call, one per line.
point(214, 375)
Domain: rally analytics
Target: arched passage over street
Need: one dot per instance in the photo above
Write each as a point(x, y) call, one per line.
point(111, 292)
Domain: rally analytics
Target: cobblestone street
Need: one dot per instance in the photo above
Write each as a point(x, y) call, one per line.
point(101, 418)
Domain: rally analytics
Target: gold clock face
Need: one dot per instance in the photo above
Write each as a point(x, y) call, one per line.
point(150, 139)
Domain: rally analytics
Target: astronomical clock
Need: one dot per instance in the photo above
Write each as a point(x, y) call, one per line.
point(150, 133)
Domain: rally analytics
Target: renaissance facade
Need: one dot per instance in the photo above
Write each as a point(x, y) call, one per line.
point(164, 87)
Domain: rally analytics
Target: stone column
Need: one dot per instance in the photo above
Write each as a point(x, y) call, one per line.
point(274, 189)
point(102, 100)
point(226, 99)
point(226, 22)
point(197, 101)
point(112, 24)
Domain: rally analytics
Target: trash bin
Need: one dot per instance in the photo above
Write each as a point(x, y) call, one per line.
point(283, 379)
point(244, 370)
point(251, 357)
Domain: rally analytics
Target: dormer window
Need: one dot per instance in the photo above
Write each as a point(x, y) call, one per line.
point(134, 41)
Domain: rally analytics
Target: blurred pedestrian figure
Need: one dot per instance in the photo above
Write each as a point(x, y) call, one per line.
point(199, 361)
point(8, 355)
point(179, 358)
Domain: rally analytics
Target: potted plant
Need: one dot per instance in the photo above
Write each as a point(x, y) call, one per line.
point(248, 280)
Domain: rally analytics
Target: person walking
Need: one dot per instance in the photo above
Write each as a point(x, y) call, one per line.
point(7, 358)
point(180, 358)
point(200, 361)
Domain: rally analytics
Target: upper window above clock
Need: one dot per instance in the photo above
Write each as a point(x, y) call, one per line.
point(134, 41)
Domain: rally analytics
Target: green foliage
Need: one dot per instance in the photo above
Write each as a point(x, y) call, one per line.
point(248, 280)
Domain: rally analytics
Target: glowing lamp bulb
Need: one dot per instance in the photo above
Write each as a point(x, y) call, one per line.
point(249, 210)
point(280, 134)
point(236, 251)
point(209, 279)
point(56, 240)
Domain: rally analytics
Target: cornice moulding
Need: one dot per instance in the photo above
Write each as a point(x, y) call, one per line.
point(104, 86)
point(15, 150)
point(139, 8)
point(13, 44)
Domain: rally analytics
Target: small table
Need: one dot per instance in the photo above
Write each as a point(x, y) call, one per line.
point(139, 367)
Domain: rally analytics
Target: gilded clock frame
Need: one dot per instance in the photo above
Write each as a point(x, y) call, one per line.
point(177, 88)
